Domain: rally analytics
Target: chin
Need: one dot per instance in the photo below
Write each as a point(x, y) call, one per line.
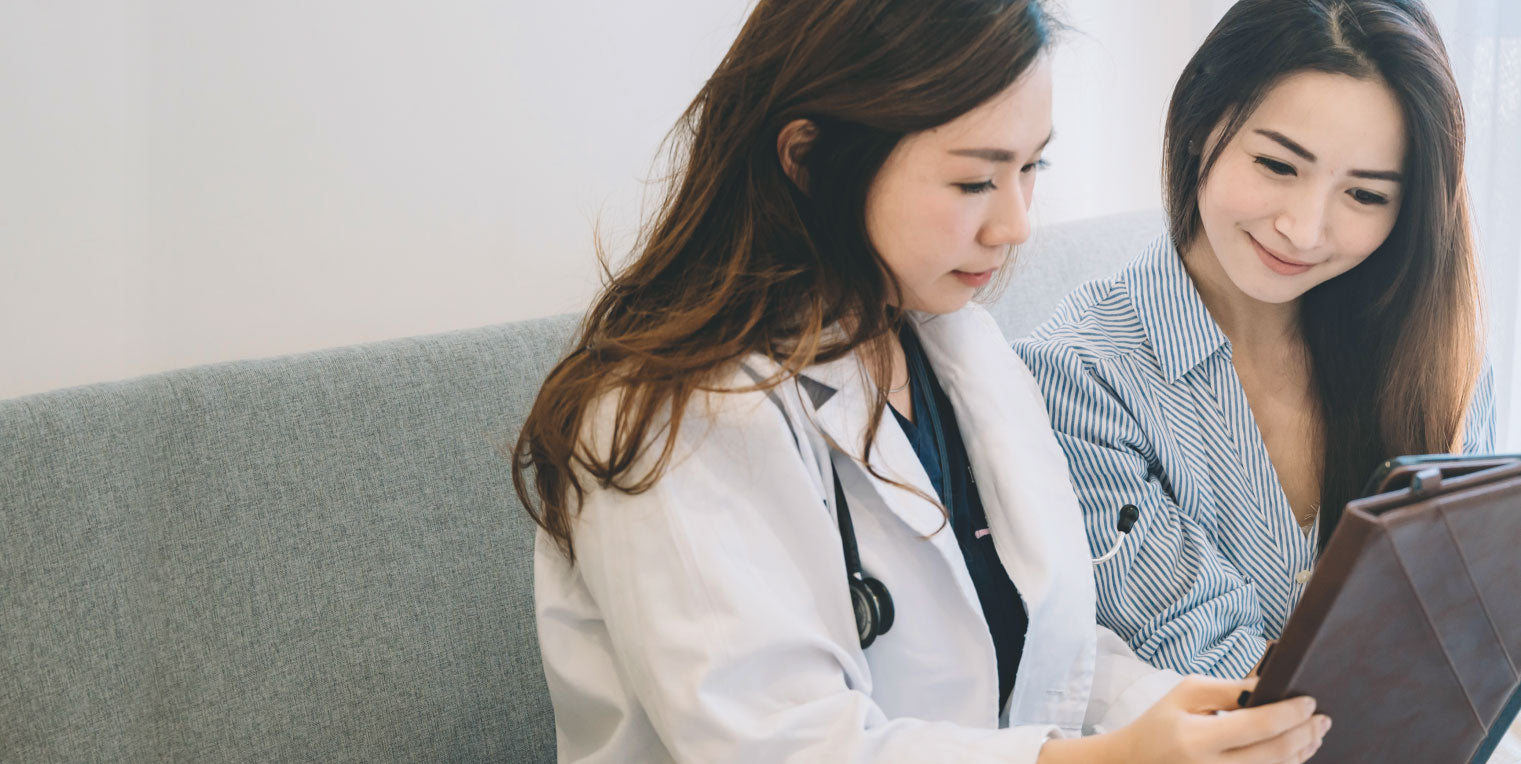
point(942, 306)
point(1260, 284)
point(1276, 297)
point(1264, 289)
point(941, 300)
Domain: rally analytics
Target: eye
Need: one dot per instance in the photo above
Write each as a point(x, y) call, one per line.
point(1368, 197)
point(976, 188)
point(1276, 167)
point(1036, 166)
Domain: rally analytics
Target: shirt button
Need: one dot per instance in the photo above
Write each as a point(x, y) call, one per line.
point(1302, 577)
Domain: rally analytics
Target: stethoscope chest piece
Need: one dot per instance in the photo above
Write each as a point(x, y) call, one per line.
point(869, 599)
point(873, 607)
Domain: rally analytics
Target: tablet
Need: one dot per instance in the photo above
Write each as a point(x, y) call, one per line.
point(1395, 473)
point(1409, 633)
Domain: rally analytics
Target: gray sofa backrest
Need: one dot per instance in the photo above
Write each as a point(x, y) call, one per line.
point(316, 557)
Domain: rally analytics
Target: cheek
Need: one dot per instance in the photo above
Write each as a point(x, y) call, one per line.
point(902, 226)
point(885, 228)
point(920, 225)
point(934, 213)
point(1363, 233)
point(953, 219)
point(1233, 194)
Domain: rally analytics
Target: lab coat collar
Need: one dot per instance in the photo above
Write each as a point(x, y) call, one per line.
point(842, 394)
point(1035, 523)
point(1002, 415)
point(1031, 508)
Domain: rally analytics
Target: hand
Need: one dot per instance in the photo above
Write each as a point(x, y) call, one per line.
point(1184, 728)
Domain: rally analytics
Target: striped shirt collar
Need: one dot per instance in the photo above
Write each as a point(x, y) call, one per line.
point(1180, 328)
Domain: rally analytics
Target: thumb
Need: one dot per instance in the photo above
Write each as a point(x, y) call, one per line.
point(1206, 694)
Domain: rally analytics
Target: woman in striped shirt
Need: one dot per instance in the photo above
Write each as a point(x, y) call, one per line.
point(1312, 311)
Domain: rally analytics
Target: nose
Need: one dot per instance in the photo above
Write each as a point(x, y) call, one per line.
point(1303, 221)
point(1009, 225)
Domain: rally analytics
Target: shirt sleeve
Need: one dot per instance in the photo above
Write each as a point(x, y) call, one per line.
point(1170, 593)
point(721, 620)
point(1124, 686)
point(1479, 422)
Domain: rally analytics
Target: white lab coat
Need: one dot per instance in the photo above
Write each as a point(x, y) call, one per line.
point(708, 618)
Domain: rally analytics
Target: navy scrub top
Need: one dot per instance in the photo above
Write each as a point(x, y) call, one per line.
point(1002, 607)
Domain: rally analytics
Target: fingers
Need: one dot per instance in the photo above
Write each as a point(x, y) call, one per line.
point(1292, 746)
point(1249, 684)
point(1250, 726)
point(1204, 695)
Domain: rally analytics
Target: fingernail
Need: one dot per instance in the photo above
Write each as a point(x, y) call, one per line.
point(1325, 724)
point(1308, 704)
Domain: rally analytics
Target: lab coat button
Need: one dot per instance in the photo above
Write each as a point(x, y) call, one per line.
point(1302, 577)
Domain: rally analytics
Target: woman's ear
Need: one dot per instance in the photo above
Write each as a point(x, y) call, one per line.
point(792, 145)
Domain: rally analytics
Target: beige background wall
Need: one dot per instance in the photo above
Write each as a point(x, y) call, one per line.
point(184, 182)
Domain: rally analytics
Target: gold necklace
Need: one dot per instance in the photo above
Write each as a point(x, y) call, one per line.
point(1309, 515)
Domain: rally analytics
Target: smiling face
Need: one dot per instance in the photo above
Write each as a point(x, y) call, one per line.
point(950, 202)
point(1307, 189)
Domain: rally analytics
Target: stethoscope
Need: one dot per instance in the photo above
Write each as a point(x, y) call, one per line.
point(1128, 515)
point(869, 599)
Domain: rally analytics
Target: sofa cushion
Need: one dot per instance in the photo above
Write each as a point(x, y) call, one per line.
point(315, 557)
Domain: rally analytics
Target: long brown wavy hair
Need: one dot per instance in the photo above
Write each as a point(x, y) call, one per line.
point(1395, 344)
point(738, 259)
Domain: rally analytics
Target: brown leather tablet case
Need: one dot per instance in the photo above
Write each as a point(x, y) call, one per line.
point(1409, 633)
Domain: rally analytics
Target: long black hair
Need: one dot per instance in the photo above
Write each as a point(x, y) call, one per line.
point(1394, 344)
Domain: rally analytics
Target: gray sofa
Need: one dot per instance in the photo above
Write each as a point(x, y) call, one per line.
point(315, 557)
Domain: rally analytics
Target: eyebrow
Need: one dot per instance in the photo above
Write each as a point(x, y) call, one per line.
point(1283, 140)
point(999, 155)
point(1304, 153)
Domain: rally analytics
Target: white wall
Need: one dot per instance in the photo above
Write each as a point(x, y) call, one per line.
point(184, 181)
point(1114, 74)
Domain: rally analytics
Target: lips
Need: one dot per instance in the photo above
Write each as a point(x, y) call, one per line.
point(975, 279)
point(1276, 262)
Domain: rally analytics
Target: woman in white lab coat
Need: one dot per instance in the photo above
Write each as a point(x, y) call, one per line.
point(799, 501)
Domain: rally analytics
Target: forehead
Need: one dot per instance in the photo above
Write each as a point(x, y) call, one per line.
point(1347, 122)
point(1017, 119)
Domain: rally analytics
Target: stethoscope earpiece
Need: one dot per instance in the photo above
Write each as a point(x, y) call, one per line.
point(1128, 515)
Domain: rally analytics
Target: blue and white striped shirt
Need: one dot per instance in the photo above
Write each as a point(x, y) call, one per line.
point(1144, 399)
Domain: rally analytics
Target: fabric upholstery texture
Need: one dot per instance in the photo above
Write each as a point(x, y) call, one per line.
point(314, 557)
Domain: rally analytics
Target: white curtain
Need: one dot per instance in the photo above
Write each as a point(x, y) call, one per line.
point(1484, 40)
